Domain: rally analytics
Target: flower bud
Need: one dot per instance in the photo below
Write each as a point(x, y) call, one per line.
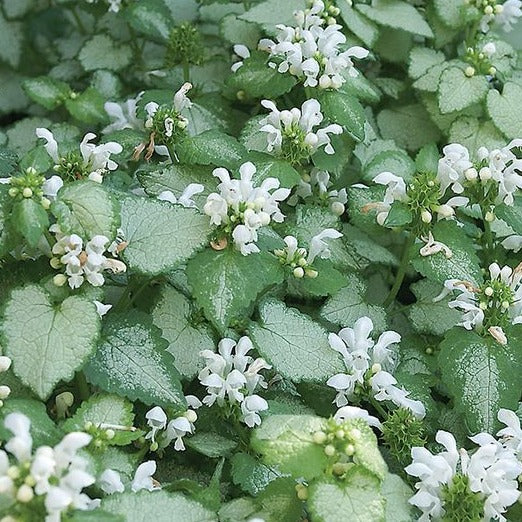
point(319, 437)
point(27, 192)
point(469, 71)
point(349, 450)
point(488, 10)
point(498, 8)
point(110, 434)
point(299, 272)
point(355, 433)
point(312, 274)
point(46, 203)
point(13, 472)
point(55, 262)
point(302, 492)
point(488, 291)
point(445, 211)
point(426, 216)
point(59, 279)
point(471, 174)
point(191, 416)
point(311, 139)
point(329, 450)
point(505, 305)
point(337, 208)
point(483, 305)
point(376, 368)
point(489, 217)
point(4, 391)
point(325, 82)
point(154, 446)
point(492, 70)
point(25, 494)
point(485, 174)
point(13, 192)
point(5, 363)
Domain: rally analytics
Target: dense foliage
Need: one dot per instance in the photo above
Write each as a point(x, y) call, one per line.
point(260, 260)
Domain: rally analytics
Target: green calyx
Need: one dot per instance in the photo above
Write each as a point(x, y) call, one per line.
point(168, 126)
point(402, 431)
point(27, 185)
point(460, 503)
point(71, 167)
point(294, 149)
point(185, 46)
point(495, 298)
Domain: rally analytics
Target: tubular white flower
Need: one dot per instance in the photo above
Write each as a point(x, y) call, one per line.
point(185, 199)
point(353, 412)
point(452, 167)
point(243, 53)
point(509, 15)
point(143, 477)
point(156, 420)
point(367, 361)
point(123, 115)
point(250, 409)
point(110, 482)
point(181, 100)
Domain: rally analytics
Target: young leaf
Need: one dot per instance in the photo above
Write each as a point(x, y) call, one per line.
point(295, 345)
point(48, 342)
point(160, 235)
point(87, 107)
point(225, 283)
point(47, 91)
point(132, 361)
point(30, 219)
point(345, 110)
point(399, 215)
point(150, 18)
point(481, 375)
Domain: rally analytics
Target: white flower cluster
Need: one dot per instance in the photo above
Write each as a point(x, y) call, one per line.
point(397, 190)
point(498, 301)
point(59, 474)
point(317, 188)
point(299, 259)
point(110, 481)
point(500, 166)
point(294, 128)
point(241, 209)
point(163, 432)
point(81, 264)
point(490, 472)
point(366, 362)
point(311, 51)
point(505, 15)
point(95, 159)
point(181, 102)
point(231, 378)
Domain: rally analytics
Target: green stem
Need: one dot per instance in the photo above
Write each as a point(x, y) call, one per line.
point(186, 71)
point(488, 236)
point(382, 412)
point(82, 386)
point(172, 154)
point(399, 278)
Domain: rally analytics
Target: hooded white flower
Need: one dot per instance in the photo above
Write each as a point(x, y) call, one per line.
point(123, 115)
point(298, 124)
point(21, 444)
point(110, 482)
point(367, 361)
point(243, 53)
point(156, 420)
point(185, 199)
point(243, 207)
point(232, 376)
point(353, 412)
point(143, 477)
point(453, 166)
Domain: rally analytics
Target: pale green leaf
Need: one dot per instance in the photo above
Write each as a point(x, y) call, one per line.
point(457, 91)
point(358, 24)
point(506, 110)
point(101, 52)
point(397, 493)
point(46, 91)
point(423, 59)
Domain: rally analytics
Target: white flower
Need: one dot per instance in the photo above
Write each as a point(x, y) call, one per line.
point(453, 166)
point(123, 115)
point(250, 408)
point(395, 191)
point(51, 186)
point(95, 159)
point(367, 361)
point(232, 376)
point(509, 15)
point(244, 206)
point(20, 445)
point(243, 52)
point(101, 308)
point(185, 199)
point(143, 477)
point(353, 412)
point(433, 247)
point(511, 435)
point(156, 420)
point(110, 482)
point(297, 124)
point(176, 429)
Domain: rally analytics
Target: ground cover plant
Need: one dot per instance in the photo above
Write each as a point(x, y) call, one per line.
point(260, 260)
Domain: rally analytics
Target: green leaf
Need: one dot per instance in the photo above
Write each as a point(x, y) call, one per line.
point(512, 215)
point(105, 409)
point(11, 39)
point(251, 475)
point(150, 18)
point(47, 91)
point(463, 264)
point(47, 342)
point(409, 125)
point(473, 134)
point(272, 12)
point(173, 314)
point(94, 516)
point(87, 107)
point(450, 12)
point(43, 430)
point(295, 345)
point(211, 444)
point(397, 14)
point(505, 109)
point(349, 304)
point(86, 208)
point(482, 375)
point(422, 59)
point(132, 361)
point(257, 80)
point(428, 316)
point(357, 499)
point(396, 161)
point(345, 110)
point(397, 493)
point(101, 52)
point(457, 91)
point(427, 159)
point(237, 31)
point(279, 501)
point(211, 148)
point(358, 24)
point(160, 506)
point(286, 442)
point(269, 167)
point(399, 215)
point(8, 161)
point(30, 219)
point(328, 281)
point(160, 235)
point(225, 285)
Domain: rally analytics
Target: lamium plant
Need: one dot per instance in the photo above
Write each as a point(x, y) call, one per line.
point(260, 260)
